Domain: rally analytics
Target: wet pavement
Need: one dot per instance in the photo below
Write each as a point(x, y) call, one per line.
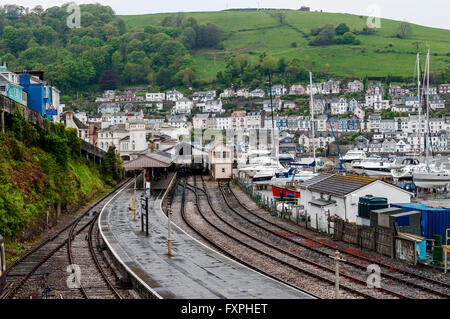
point(194, 271)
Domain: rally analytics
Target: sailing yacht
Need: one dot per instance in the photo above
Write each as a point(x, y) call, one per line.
point(430, 176)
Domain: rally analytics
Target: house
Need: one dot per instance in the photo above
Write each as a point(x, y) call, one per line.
point(183, 106)
point(431, 91)
point(355, 86)
point(374, 123)
point(221, 162)
point(213, 106)
point(257, 93)
point(204, 96)
point(222, 122)
point(444, 89)
point(10, 85)
point(155, 97)
point(304, 123)
point(389, 146)
point(316, 88)
point(108, 108)
point(338, 106)
point(278, 90)
point(239, 120)
point(359, 113)
point(245, 93)
point(437, 103)
point(371, 99)
point(375, 89)
point(318, 106)
point(276, 104)
point(297, 89)
point(331, 87)
point(361, 143)
point(199, 121)
point(411, 100)
point(174, 96)
point(403, 108)
point(338, 195)
point(397, 90)
point(70, 120)
point(39, 93)
point(255, 120)
point(227, 93)
point(178, 121)
point(402, 146)
point(289, 105)
point(387, 126)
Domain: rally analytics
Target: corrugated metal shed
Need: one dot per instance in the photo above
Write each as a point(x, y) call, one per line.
point(341, 185)
point(434, 220)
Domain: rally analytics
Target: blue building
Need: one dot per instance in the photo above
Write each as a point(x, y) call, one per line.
point(39, 94)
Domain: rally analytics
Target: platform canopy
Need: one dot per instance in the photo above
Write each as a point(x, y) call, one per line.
point(148, 161)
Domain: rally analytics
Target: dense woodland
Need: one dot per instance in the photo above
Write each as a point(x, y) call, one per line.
point(75, 59)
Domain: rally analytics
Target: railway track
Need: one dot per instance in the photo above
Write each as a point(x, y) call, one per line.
point(214, 245)
point(355, 284)
point(322, 274)
point(391, 273)
point(32, 269)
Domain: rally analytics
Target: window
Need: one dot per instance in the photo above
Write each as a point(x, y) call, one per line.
point(223, 170)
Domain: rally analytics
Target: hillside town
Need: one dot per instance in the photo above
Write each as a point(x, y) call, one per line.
point(374, 120)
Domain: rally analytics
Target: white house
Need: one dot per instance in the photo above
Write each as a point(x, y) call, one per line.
point(245, 93)
point(355, 86)
point(174, 96)
point(70, 120)
point(258, 93)
point(227, 93)
point(437, 103)
point(338, 195)
point(316, 88)
point(183, 106)
point(339, 106)
point(331, 87)
point(278, 90)
point(155, 97)
point(200, 121)
point(213, 106)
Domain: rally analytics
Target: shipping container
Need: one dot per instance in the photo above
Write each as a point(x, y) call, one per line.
point(434, 221)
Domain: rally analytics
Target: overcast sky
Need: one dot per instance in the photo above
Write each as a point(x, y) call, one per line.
point(433, 13)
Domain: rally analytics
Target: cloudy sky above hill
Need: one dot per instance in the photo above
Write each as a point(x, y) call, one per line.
point(433, 13)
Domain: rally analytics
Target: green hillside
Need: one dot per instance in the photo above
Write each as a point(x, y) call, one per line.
point(259, 32)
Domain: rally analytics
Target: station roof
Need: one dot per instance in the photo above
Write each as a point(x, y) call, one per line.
point(148, 161)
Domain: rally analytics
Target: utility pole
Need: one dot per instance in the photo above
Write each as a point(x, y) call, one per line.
point(134, 203)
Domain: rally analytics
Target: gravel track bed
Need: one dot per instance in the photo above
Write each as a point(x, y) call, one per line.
point(384, 262)
point(257, 259)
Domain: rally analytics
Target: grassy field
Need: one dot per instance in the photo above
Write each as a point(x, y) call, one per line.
point(258, 32)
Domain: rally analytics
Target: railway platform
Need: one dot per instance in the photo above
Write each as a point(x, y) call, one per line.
point(194, 271)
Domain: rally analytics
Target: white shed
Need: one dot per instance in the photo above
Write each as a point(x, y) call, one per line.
point(337, 194)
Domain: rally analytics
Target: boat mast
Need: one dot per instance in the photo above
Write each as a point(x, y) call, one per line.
point(428, 109)
point(419, 131)
point(312, 120)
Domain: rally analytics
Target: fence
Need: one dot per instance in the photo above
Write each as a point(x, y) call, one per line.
point(381, 240)
point(287, 211)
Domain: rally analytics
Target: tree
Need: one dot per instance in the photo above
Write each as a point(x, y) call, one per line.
point(348, 38)
point(108, 80)
point(404, 30)
point(341, 29)
point(269, 64)
point(280, 16)
point(325, 36)
point(210, 36)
